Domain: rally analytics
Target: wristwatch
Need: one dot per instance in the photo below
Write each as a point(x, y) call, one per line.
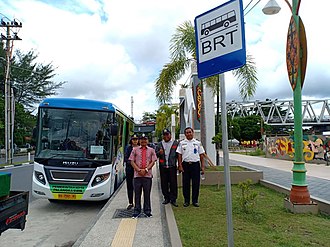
point(146, 169)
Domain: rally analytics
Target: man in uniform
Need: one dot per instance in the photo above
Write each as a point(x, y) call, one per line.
point(134, 142)
point(191, 164)
point(166, 152)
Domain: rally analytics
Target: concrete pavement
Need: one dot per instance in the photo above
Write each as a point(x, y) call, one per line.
point(115, 226)
point(279, 172)
point(161, 230)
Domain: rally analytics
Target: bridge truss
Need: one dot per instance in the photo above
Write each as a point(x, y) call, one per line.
point(281, 112)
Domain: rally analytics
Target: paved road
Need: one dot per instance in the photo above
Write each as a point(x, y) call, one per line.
point(21, 178)
point(17, 158)
point(52, 224)
point(48, 224)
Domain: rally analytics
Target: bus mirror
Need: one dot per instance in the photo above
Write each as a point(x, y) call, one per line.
point(113, 130)
point(34, 133)
point(45, 120)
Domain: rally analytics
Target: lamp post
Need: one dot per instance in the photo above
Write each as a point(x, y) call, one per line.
point(296, 56)
point(261, 123)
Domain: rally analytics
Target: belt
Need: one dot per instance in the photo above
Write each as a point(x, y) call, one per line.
point(167, 167)
point(190, 162)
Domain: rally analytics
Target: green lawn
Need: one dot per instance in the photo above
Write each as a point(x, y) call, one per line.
point(222, 168)
point(269, 225)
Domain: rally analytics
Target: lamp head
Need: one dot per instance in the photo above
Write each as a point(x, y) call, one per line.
point(271, 8)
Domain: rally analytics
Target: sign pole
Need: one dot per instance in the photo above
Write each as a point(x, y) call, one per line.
point(230, 231)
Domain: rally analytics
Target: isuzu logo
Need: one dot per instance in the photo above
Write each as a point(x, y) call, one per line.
point(70, 163)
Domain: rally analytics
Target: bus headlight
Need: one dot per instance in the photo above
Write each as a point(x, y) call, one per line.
point(40, 177)
point(100, 178)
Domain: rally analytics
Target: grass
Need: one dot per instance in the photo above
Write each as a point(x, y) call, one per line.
point(222, 168)
point(270, 224)
point(256, 152)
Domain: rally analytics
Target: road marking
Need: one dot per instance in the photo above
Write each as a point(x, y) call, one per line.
point(125, 233)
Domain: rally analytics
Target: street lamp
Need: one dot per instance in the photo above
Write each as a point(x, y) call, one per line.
point(271, 8)
point(296, 58)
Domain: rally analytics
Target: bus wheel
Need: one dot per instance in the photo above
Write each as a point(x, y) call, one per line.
point(206, 32)
point(226, 24)
point(52, 200)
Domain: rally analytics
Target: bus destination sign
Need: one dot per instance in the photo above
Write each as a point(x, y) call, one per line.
point(220, 39)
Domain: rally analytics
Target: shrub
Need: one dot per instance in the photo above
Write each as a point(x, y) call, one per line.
point(247, 196)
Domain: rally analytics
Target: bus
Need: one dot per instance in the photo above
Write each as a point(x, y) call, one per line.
point(221, 21)
point(79, 149)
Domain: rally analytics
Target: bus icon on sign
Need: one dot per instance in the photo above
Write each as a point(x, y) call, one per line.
point(221, 21)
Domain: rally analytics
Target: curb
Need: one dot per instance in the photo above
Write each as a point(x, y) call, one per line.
point(10, 166)
point(324, 205)
point(172, 227)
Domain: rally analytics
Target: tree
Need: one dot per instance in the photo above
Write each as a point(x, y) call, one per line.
point(148, 117)
point(32, 81)
point(183, 52)
point(250, 130)
point(164, 119)
point(24, 124)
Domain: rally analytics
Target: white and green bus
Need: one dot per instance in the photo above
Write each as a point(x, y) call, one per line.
point(80, 149)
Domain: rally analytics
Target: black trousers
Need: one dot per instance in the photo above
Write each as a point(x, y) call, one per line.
point(129, 182)
point(191, 172)
point(169, 183)
point(142, 184)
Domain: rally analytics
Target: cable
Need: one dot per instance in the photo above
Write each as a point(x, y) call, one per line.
point(247, 5)
point(252, 8)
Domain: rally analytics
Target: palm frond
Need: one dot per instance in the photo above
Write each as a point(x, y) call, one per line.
point(247, 77)
point(168, 78)
point(213, 83)
point(183, 43)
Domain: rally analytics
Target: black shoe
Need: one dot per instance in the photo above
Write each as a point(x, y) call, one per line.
point(166, 201)
point(135, 215)
point(149, 215)
point(195, 204)
point(174, 204)
point(129, 206)
point(186, 204)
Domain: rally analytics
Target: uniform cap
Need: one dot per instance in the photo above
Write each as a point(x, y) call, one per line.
point(166, 131)
point(143, 136)
point(134, 136)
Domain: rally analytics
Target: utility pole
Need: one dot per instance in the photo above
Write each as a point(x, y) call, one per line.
point(9, 95)
point(132, 103)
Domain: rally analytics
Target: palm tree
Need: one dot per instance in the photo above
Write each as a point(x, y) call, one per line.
point(183, 53)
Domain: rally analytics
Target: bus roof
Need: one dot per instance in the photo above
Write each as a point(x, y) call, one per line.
point(74, 103)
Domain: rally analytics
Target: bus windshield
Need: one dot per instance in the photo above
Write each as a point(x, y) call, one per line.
point(74, 134)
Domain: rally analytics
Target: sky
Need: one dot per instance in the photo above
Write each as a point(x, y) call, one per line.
point(115, 50)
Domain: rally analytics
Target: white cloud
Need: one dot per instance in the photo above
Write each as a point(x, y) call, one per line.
point(112, 50)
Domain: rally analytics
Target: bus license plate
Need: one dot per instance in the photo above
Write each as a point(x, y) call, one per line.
point(66, 197)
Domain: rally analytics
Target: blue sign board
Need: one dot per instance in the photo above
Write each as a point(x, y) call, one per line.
point(220, 39)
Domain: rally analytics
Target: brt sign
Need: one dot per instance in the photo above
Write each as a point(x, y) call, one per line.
point(220, 39)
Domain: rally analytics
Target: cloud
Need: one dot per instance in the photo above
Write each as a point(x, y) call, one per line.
point(112, 50)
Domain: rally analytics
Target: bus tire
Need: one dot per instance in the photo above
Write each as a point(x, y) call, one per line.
point(226, 24)
point(52, 200)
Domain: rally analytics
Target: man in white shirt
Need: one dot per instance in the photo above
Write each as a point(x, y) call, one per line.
point(191, 164)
